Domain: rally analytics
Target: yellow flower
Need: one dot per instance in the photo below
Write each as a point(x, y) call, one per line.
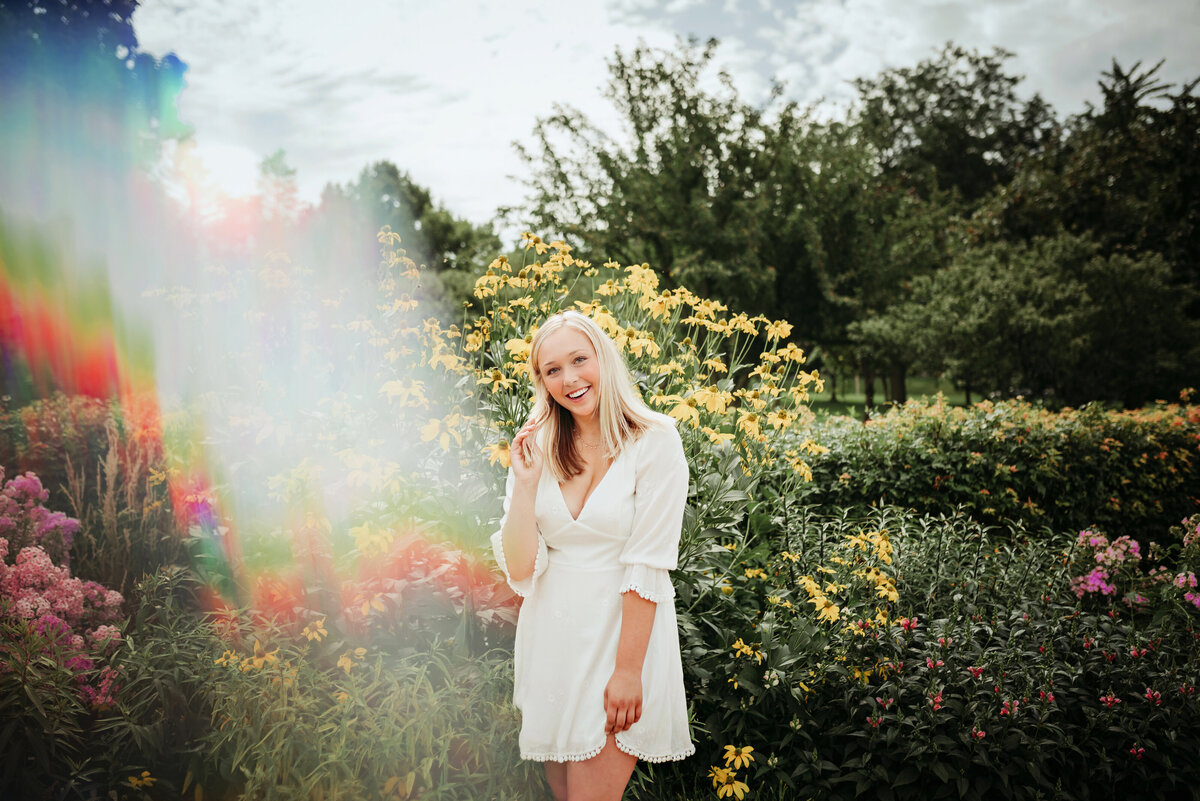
point(749, 422)
point(706, 309)
point(719, 775)
point(144, 780)
point(370, 540)
point(346, 661)
point(826, 609)
point(715, 400)
point(341, 696)
point(499, 452)
point(641, 278)
point(740, 648)
point(229, 658)
point(685, 411)
point(315, 631)
point(410, 393)
point(497, 379)
point(744, 324)
point(801, 467)
point(443, 430)
point(779, 418)
point(474, 341)
point(780, 329)
point(449, 361)
point(519, 349)
point(735, 788)
point(261, 656)
point(738, 757)
point(755, 572)
point(793, 353)
point(373, 602)
point(717, 437)
point(716, 365)
point(402, 303)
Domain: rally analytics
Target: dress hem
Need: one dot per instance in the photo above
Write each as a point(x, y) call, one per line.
point(591, 752)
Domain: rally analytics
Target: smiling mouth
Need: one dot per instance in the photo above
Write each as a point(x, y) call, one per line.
point(578, 394)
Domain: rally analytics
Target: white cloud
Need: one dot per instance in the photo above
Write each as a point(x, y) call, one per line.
point(443, 89)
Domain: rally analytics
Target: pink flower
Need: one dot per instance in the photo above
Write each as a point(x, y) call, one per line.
point(1137, 751)
point(931, 664)
point(978, 733)
point(1154, 697)
point(1110, 700)
point(936, 700)
point(1009, 707)
point(975, 671)
point(1045, 696)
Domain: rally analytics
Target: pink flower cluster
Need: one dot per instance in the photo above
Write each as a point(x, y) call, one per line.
point(25, 521)
point(1095, 581)
point(38, 594)
point(34, 587)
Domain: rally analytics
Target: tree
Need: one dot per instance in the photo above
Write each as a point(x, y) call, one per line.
point(341, 230)
point(1053, 318)
point(952, 123)
point(1127, 173)
point(688, 185)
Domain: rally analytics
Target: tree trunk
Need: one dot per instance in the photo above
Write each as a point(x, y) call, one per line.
point(833, 386)
point(967, 390)
point(899, 384)
point(868, 370)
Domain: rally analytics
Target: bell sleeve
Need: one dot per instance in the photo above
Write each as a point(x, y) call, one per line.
point(660, 494)
point(525, 586)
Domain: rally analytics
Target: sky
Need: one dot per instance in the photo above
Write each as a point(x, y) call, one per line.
point(444, 89)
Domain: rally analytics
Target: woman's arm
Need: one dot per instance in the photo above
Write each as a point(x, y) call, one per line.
point(520, 534)
point(623, 695)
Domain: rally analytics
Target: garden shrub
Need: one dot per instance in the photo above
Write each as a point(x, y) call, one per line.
point(1130, 473)
point(929, 657)
point(56, 638)
point(104, 462)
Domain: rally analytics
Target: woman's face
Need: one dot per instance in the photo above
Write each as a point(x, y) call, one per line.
point(571, 371)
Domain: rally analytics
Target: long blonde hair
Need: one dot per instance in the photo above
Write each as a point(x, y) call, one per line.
point(623, 413)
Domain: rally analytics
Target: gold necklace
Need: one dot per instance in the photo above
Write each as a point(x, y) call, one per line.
point(587, 444)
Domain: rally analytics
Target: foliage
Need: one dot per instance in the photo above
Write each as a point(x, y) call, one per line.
point(1051, 318)
point(952, 122)
point(955, 661)
point(104, 462)
point(1130, 472)
point(340, 230)
point(1124, 172)
point(55, 674)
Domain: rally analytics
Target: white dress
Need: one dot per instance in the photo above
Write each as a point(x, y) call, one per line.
point(625, 538)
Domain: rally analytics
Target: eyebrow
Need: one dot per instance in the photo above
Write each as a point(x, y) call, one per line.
point(575, 352)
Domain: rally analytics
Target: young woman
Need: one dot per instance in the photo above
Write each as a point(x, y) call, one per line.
point(592, 516)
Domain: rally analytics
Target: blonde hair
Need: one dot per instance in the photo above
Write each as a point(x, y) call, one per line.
point(623, 413)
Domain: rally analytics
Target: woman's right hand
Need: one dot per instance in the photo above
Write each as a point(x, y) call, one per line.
point(525, 454)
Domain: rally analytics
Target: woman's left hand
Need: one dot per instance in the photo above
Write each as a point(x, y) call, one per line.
point(622, 701)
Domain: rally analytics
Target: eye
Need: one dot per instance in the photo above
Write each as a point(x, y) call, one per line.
point(579, 359)
point(552, 371)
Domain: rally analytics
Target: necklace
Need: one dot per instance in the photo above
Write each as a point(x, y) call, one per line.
point(587, 444)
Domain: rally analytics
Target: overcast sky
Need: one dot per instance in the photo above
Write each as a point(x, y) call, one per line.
point(443, 89)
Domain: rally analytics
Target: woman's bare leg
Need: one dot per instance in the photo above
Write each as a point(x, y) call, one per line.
point(556, 776)
point(603, 777)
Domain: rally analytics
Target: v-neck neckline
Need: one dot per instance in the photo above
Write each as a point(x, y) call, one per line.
point(592, 494)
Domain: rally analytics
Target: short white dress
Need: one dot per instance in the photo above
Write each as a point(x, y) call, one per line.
point(625, 538)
